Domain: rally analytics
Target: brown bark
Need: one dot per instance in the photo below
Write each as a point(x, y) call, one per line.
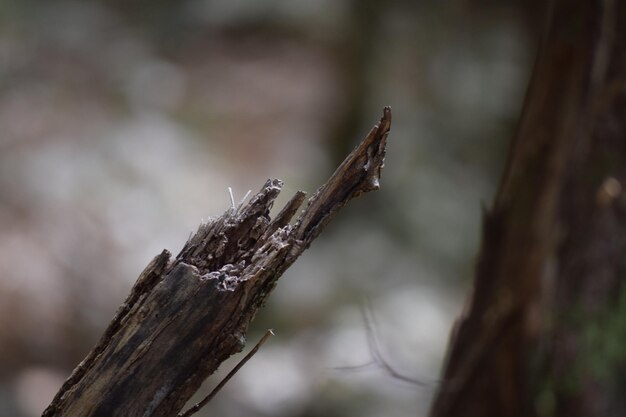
point(185, 316)
point(552, 266)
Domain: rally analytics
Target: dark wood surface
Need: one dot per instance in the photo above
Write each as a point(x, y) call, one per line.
point(551, 265)
point(185, 316)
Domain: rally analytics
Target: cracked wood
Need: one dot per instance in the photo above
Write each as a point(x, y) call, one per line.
point(185, 316)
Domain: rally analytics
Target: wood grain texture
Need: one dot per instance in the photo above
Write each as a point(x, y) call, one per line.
point(186, 315)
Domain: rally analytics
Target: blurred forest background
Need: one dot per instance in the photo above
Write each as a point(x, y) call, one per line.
point(122, 125)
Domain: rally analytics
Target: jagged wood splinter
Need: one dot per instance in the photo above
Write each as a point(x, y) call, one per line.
point(185, 316)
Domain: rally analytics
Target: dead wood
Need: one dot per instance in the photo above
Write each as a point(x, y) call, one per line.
point(185, 316)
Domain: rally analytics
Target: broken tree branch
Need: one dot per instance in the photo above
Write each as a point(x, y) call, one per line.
point(185, 316)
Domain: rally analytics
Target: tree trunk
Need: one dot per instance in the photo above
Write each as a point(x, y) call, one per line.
point(544, 333)
point(185, 316)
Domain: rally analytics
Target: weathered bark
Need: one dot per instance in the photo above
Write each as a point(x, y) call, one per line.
point(185, 316)
point(552, 267)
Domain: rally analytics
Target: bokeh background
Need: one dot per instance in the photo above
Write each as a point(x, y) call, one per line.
point(123, 123)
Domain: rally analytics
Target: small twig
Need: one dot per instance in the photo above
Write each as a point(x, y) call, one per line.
point(227, 378)
point(356, 368)
point(377, 355)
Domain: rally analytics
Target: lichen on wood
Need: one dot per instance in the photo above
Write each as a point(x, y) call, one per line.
point(185, 316)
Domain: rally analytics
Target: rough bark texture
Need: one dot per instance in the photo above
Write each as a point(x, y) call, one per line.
point(185, 316)
point(545, 330)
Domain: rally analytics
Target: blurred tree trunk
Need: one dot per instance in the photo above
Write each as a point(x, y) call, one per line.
point(544, 333)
